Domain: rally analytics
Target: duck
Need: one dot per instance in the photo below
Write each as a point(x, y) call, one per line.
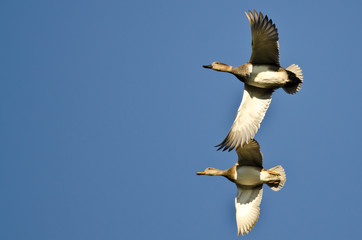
point(249, 176)
point(261, 76)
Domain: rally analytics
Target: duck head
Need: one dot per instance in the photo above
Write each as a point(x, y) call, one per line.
point(211, 172)
point(218, 66)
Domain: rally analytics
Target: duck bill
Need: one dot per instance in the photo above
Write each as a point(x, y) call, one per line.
point(206, 66)
point(200, 173)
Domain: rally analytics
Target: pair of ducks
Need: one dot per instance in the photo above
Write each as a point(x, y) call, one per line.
point(261, 76)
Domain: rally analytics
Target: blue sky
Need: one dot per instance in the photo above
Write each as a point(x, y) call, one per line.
point(107, 114)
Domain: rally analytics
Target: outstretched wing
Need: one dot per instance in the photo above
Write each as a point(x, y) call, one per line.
point(251, 112)
point(265, 47)
point(247, 204)
point(250, 155)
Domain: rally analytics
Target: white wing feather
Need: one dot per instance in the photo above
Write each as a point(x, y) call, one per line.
point(247, 204)
point(251, 112)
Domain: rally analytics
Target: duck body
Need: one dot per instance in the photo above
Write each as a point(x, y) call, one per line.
point(261, 76)
point(248, 176)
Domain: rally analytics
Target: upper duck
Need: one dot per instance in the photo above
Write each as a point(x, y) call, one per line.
point(261, 76)
point(249, 176)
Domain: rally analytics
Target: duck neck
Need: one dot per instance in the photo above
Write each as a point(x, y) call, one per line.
point(216, 172)
point(230, 173)
point(222, 67)
point(227, 68)
point(242, 72)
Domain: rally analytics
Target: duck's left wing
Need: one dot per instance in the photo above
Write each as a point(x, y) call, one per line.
point(247, 204)
point(265, 47)
point(251, 112)
point(250, 154)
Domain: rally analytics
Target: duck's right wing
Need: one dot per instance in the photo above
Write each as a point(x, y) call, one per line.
point(247, 204)
point(264, 40)
point(251, 112)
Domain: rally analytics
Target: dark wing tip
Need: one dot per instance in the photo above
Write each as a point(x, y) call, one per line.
point(224, 146)
point(221, 146)
point(257, 17)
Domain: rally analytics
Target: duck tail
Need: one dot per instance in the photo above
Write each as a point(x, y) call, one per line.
point(276, 186)
point(295, 77)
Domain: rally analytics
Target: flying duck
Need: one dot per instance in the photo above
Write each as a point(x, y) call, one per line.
point(261, 76)
point(249, 176)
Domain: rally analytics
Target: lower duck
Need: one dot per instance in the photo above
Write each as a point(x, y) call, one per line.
point(249, 176)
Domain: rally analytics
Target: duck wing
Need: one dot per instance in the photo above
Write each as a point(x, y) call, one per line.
point(247, 204)
point(250, 154)
point(265, 47)
point(251, 112)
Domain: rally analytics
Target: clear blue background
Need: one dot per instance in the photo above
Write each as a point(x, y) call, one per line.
point(107, 114)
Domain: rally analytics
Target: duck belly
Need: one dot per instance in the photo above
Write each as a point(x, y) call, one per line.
point(265, 76)
point(248, 176)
